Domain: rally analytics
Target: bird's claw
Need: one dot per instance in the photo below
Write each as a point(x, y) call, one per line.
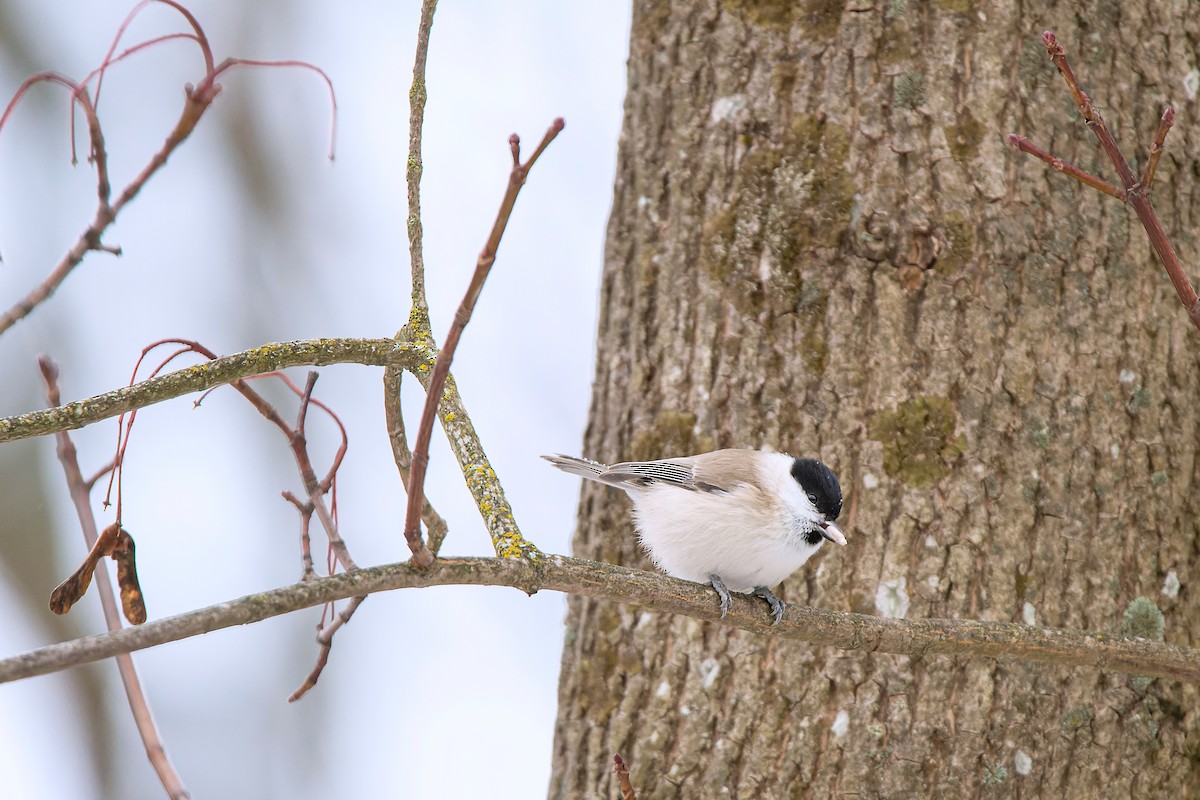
point(774, 602)
point(723, 593)
point(777, 605)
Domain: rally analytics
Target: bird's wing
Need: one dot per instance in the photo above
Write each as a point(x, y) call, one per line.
point(679, 472)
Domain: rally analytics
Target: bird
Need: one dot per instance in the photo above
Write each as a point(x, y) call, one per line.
point(740, 520)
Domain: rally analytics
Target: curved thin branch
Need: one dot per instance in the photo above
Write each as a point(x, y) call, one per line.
point(843, 629)
point(106, 213)
point(267, 358)
point(435, 523)
point(139, 703)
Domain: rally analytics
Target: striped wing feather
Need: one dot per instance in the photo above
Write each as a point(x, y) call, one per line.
point(669, 472)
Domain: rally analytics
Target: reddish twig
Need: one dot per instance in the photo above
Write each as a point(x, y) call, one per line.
point(420, 461)
point(196, 102)
point(100, 473)
point(1067, 168)
point(1156, 147)
point(325, 640)
point(78, 95)
point(1136, 192)
point(229, 63)
point(307, 573)
point(299, 445)
point(125, 428)
point(139, 705)
point(325, 632)
point(199, 37)
point(315, 489)
point(329, 481)
point(627, 792)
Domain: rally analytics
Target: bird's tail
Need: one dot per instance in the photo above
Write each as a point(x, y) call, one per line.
point(583, 467)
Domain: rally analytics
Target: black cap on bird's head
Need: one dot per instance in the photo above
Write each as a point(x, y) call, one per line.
point(821, 486)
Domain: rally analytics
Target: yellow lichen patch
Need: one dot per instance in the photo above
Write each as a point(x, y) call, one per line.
point(515, 546)
point(918, 440)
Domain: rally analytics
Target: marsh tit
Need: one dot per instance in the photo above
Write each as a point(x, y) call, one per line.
point(742, 520)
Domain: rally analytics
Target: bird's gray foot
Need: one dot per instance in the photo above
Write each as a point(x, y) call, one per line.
point(723, 593)
point(774, 602)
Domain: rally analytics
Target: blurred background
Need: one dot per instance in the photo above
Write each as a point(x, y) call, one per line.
point(251, 235)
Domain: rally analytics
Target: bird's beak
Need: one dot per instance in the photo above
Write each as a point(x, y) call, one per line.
point(833, 533)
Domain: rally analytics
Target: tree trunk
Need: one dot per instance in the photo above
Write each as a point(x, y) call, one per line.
point(821, 243)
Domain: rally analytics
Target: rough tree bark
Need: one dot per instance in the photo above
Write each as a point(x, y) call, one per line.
point(819, 242)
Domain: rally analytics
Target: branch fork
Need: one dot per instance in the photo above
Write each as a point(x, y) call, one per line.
point(441, 368)
point(1134, 191)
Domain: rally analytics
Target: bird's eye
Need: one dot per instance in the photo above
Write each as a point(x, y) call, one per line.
point(812, 498)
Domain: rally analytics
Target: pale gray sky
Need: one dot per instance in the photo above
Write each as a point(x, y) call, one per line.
point(436, 693)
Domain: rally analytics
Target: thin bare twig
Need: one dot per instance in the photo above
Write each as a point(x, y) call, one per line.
point(314, 489)
point(307, 573)
point(1136, 192)
point(417, 96)
point(418, 324)
point(99, 474)
point(104, 216)
point(329, 482)
point(435, 525)
point(197, 100)
point(1156, 147)
point(194, 106)
point(325, 641)
point(139, 705)
point(299, 445)
point(316, 501)
point(419, 314)
point(922, 638)
point(1067, 168)
point(433, 396)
